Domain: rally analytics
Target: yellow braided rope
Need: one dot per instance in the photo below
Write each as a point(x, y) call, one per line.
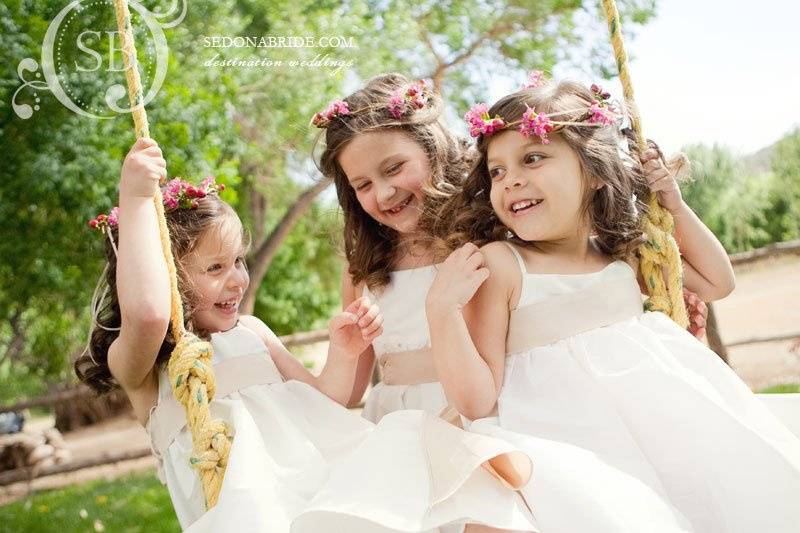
point(658, 256)
point(189, 368)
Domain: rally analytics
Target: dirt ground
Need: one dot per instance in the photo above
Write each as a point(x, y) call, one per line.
point(766, 302)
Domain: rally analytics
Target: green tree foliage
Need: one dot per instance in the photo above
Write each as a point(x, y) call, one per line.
point(247, 126)
point(746, 206)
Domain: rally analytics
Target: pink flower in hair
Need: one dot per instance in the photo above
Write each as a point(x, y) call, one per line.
point(173, 187)
point(397, 104)
point(479, 122)
point(535, 80)
point(113, 216)
point(534, 123)
point(337, 108)
point(414, 97)
point(170, 202)
point(601, 114)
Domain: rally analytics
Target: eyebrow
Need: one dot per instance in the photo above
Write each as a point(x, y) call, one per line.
point(525, 146)
point(223, 256)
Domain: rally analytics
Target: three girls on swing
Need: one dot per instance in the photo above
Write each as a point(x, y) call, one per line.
point(400, 178)
point(539, 336)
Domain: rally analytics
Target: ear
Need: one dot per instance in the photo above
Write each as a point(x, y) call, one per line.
point(594, 183)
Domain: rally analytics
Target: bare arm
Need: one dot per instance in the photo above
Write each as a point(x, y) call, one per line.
point(366, 363)
point(142, 279)
point(350, 331)
point(707, 269)
point(468, 332)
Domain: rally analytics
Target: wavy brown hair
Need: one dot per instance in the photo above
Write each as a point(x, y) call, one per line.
point(186, 228)
point(614, 210)
point(370, 248)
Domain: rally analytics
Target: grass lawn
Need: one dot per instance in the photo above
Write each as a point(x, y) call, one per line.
point(135, 503)
point(782, 389)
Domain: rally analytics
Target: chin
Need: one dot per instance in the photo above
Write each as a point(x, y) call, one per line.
point(530, 234)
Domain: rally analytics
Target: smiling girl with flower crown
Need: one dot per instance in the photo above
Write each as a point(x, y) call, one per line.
point(290, 439)
point(541, 338)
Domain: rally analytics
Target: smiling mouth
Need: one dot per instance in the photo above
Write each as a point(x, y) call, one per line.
point(399, 207)
point(524, 206)
point(228, 306)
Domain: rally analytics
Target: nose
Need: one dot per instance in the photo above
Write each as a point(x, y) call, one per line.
point(513, 180)
point(385, 192)
point(238, 280)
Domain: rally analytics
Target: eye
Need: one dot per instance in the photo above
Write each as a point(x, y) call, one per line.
point(362, 186)
point(214, 267)
point(533, 158)
point(496, 172)
point(394, 169)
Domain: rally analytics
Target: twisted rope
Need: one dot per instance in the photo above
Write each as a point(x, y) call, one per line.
point(659, 258)
point(189, 368)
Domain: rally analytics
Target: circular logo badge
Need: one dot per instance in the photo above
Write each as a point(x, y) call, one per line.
point(83, 63)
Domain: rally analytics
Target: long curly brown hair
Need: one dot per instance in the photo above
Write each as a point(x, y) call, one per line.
point(614, 210)
point(186, 228)
point(370, 248)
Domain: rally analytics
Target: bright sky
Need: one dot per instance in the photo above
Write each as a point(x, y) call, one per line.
point(716, 71)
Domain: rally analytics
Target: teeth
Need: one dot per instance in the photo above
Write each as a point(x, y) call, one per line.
point(524, 204)
point(399, 206)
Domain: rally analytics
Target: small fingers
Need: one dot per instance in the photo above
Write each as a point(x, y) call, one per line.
point(373, 329)
point(369, 316)
point(475, 261)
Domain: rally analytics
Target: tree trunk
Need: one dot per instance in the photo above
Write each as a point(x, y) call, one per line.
point(88, 409)
point(265, 253)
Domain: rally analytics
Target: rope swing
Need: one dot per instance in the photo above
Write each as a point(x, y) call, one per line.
point(659, 258)
point(189, 368)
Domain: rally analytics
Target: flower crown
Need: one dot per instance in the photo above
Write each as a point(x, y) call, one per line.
point(177, 193)
point(599, 113)
point(400, 103)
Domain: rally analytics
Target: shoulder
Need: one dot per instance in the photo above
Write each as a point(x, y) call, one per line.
point(500, 260)
point(257, 326)
point(497, 251)
point(504, 273)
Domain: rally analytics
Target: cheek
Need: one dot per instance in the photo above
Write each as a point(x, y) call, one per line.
point(204, 293)
point(496, 201)
point(415, 177)
point(367, 202)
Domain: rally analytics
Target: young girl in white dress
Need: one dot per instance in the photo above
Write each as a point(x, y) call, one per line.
point(292, 443)
point(391, 159)
point(540, 336)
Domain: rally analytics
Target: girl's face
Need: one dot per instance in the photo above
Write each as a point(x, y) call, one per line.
point(387, 170)
point(537, 189)
point(219, 277)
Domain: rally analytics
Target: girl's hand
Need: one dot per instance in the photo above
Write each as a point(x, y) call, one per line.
point(143, 169)
point(354, 329)
point(458, 279)
point(698, 313)
point(661, 180)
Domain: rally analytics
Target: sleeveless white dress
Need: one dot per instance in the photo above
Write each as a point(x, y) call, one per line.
point(402, 352)
point(405, 342)
point(299, 456)
point(622, 408)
